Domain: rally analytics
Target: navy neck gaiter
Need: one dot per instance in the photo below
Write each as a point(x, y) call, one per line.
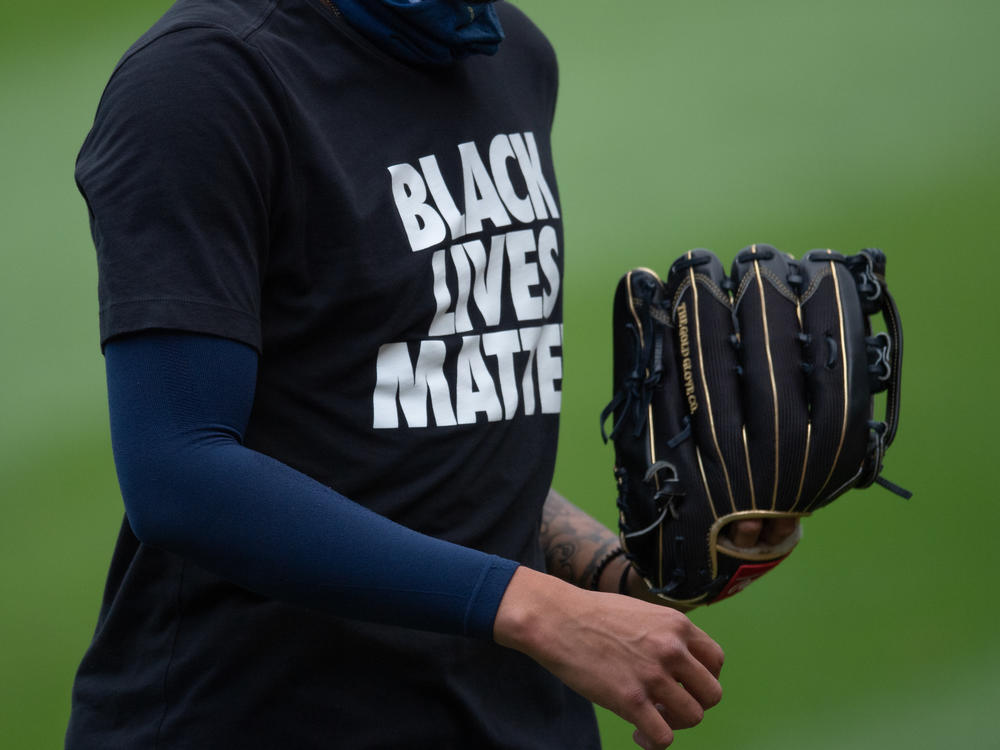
point(426, 32)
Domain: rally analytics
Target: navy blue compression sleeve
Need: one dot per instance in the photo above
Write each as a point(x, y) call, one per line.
point(179, 406)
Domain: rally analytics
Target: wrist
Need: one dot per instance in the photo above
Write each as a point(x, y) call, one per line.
point(517, 618)
point(534, 609)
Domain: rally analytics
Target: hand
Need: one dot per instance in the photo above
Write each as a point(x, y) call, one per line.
point(751, 532)
point(650, 665)
point(747, 534)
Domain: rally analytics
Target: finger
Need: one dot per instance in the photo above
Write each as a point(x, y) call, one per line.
point(707, 651)
point(679, 707)
point(700, 684)
point(652, 731)
point(745, 533)
point(647, 744)
point(777, 530)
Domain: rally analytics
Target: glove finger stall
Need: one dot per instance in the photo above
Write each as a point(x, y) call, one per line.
point(707, 357)
point(837, 378)
point(775, 401)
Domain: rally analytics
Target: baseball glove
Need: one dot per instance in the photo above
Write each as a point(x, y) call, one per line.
point(747, 396)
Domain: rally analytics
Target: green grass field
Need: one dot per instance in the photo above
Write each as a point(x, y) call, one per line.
point(680, 124)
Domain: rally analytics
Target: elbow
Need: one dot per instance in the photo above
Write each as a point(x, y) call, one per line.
point(151, 506)
point(149, 528)
point(177, 402)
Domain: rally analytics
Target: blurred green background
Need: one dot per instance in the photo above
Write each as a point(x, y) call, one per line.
point(681, 124)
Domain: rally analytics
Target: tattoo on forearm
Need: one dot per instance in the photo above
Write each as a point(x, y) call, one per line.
point(559, 559)
point(574, 543)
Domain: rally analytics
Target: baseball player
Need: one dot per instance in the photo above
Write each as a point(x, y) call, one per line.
point(330, 250)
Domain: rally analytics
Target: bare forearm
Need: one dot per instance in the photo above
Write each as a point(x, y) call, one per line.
point(575, 544)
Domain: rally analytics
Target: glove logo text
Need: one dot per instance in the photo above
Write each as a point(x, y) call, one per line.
point(686, 369)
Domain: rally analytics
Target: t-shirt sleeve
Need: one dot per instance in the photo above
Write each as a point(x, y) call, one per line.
point(178, 173)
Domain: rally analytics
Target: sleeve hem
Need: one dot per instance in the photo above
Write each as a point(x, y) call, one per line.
point(485, 600)
point(182, 315)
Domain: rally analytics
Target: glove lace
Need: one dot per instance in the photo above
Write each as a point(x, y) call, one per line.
point(638, 386)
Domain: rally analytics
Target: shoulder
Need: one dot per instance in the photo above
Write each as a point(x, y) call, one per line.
point(195, 48)
point(522, 32)
point(197, 60)
point(238, 20)
point(188, 90)
point(527, 56)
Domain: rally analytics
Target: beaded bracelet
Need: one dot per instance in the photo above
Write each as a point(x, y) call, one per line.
point(603, 564)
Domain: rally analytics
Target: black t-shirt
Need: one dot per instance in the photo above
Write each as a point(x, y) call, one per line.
point(389, 239)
